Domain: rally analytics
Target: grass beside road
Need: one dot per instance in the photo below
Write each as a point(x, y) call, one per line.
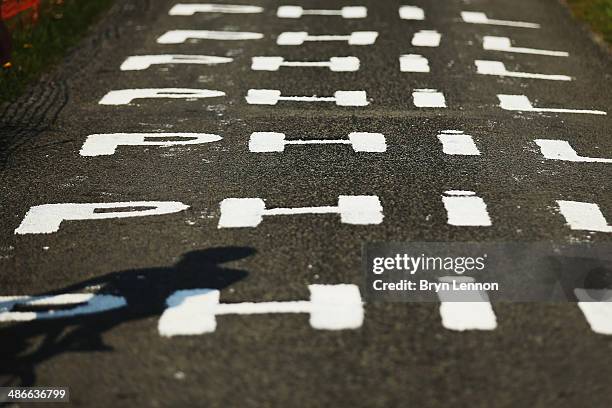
point(597, 13)
point(37, 47)
point(62, 24)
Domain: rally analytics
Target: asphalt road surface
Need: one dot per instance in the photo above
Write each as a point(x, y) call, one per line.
point(117, 352)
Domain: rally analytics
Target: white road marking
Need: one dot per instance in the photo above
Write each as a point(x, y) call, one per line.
point(273, 96)
point(193, 312)
point(335, 64)
point(522, 103)
point(46, 218)
point(413, 63)
point(189, 9)
point(465, 315)
point(504, 44)
point(181, 36)
point(411, 13)
point(84, 303)
point(583, 216)
point(249, 212)
point(476, 17)
point(499, 69)
point(140, 62)
point(562, 150)
point(355, 38)
point(125, 96)
point(344, 12)
point(106, 144)
point(456, 143)
point(263, 142)
point(189, 312)
point(597, 313)
point(428, 98)
point(464, 208)
point(426, 38)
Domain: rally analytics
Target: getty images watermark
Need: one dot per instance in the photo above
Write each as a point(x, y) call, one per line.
point(506, 272)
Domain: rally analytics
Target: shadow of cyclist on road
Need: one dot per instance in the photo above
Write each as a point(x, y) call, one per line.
point(27, 344)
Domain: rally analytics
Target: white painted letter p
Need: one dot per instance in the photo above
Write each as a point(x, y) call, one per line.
point(46, 218)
